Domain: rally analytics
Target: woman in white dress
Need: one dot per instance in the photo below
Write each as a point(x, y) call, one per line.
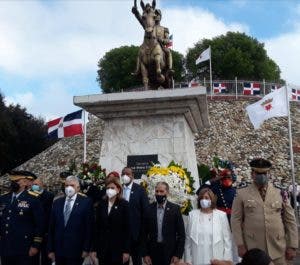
point(208, 234)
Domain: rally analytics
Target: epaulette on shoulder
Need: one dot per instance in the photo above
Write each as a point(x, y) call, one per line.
point(33, 193)
point(242, 185)
point(82, 194)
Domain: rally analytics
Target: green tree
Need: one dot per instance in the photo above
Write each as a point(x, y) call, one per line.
point(233, 54)
point(116, 66)
point(22, 136)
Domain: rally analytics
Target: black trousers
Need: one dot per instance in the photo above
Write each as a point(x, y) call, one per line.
point(16, 260)
point(158, 256)
point(68, 261)
point(135, 253)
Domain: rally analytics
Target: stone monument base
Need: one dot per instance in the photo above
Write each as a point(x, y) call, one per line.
point(161, 123)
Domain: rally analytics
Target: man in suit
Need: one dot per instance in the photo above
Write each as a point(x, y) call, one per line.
point(21, 222)
point(69, 239)
point(263, 218)
point(138, 203)
point(46, 199)
point(163, 230)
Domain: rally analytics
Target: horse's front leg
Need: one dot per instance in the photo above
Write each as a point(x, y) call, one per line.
point(160, 77)
point(144, 73)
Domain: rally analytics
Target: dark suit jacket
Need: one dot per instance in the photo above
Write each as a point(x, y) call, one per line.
point(46, 199)
point(74, 238)
point(172, 230)
point(112, 231)
point(138, 203)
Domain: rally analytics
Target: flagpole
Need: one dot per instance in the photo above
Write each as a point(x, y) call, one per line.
point(210, 73)
point(291, 152)
point(84, 136)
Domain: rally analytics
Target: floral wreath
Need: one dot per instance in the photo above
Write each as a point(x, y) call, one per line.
point(180, 182)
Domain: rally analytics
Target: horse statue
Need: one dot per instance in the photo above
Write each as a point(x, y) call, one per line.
point(154, 60)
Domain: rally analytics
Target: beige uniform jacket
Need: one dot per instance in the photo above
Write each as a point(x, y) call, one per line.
point(269, 225)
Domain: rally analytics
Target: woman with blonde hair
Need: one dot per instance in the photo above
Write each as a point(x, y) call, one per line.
point(208, 234)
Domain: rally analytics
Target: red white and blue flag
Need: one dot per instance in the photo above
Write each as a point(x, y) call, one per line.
point(194, 83)
point(219, 88)
point(170, 43)
point(69, 125)
point(274, 87)
point(251, 88)
point(295, 94)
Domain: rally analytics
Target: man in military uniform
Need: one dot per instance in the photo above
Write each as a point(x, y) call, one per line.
point(21, 222)
point(263, 218)
point(46, 199)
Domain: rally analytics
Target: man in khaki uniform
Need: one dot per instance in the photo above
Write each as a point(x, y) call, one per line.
point(263, 218)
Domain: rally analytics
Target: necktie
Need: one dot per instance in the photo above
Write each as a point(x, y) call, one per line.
point(67, 211)
point(263, 192)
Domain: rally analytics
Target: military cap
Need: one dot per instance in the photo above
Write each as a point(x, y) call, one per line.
point(21, 174)
point(260, 165)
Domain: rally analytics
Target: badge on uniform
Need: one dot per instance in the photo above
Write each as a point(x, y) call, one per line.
point(23, 204)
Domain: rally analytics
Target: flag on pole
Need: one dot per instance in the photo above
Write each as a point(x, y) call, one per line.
point(219, 88)
point(295, 94)
point(170, 43)
point(69, 125)
point(204, 56)
point(272, 105)
point(251, 88)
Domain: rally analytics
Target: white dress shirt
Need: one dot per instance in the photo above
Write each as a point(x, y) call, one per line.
point(127, 191)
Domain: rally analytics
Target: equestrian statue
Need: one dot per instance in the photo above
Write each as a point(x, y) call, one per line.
point(154, 62)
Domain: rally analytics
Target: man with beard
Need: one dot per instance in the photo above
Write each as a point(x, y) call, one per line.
point(21, 222)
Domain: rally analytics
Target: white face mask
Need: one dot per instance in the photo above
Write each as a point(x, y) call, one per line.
point(126, 179)
point(205, 203)
point(69, 191)
point(111, 193)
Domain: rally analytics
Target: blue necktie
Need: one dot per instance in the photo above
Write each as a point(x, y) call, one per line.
point(67, 211)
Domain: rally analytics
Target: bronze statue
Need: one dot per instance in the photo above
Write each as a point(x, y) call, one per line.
point(154, 60)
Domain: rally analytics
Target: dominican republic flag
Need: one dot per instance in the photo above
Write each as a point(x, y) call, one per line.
point(194, 83)
point(295, 94)
point(219, 88)
point(274, 87)
point(251, 88)
point(170, 43)
point(70, 125)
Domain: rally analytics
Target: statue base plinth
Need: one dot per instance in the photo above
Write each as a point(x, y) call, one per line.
point(151, 122)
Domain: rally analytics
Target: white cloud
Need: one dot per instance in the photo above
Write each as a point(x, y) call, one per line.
point(23, 99)
point(285, 50)
point(68, 37)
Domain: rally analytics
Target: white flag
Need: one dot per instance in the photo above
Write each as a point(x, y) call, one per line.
point(271, 105)
point(204, 56)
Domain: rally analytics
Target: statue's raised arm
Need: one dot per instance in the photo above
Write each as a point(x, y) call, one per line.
point(137, 14)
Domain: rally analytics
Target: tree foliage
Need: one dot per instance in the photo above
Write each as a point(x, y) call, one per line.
point(21, 136)
point(116, 66)
point(233, 55)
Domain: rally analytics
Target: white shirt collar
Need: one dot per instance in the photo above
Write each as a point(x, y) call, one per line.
point(129, 186)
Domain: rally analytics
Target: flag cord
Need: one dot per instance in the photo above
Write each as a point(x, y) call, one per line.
point(291, 154)
point(84, 136)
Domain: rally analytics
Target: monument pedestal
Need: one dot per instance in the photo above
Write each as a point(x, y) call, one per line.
point(161, 122)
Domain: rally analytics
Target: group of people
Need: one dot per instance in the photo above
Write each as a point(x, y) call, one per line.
point(254, 222)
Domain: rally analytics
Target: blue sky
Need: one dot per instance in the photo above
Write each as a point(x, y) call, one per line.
point(49, 49)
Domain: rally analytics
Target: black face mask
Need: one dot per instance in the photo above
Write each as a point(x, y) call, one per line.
point(161, 198)
point(14, 186)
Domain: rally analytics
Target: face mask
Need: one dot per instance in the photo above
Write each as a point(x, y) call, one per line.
point(161, 198)
point(261, 179)
point(205, 203)
point(35, 187)
point(226, 182)
point(126, 179)
point(111, 193)
point(69, 191)
point(14, 186)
